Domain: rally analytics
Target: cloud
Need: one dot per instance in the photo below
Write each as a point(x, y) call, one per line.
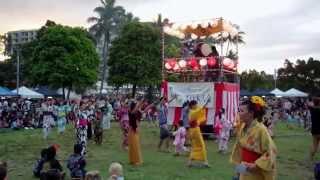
point(272, 39)
point(275, 30)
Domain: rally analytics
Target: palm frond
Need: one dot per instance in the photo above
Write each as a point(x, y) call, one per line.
point(99, 10)
point(92, 19)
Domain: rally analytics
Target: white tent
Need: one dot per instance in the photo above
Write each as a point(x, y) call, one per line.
point(295, 93)
point(73, 95)
point(24, 92)
point(277, 92)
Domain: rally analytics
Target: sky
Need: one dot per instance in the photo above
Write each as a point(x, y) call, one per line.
point(275, 30)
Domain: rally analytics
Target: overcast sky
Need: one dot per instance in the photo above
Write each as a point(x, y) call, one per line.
point(275, 30)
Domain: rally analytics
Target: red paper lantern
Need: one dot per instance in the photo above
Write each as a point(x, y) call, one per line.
point(170, 64)
point(196, 68)
point(192, 62)
point(176, 67)
point(211, 61)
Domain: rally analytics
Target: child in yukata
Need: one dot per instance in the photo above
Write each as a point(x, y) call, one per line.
point(180, 138)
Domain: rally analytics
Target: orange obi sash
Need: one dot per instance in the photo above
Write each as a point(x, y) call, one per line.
point(249, 156)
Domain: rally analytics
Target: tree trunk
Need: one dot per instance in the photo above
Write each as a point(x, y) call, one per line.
point(134, 88)
point(63, 93)
point(104, 59)
point(68, 94)
point(150, 93)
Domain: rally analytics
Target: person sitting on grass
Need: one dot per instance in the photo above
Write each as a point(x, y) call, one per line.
point(76, 163)
point(93, 175)
point(47, 162)
point(3, 170)
point(52, 174)
point(116, 171)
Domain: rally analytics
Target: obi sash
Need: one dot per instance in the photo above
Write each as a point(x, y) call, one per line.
point(82, 123)
point(193, 124)
point(249, 156)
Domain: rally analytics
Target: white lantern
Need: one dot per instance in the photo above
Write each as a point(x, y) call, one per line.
point(183, 26)
point(175, 26)
point(214, 23)
point(182, 63)
point(203, 62)
point(234, 32)
point(215, 35)
point(193, 36)
point(167, 65)
point(225, 34)
point(181, 35)
point(176, 67)
point(227, 62)
point(194, 25)
point(204, 24)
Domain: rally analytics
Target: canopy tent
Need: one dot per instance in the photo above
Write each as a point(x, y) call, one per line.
point(73, 95)
point(47, 91)
point(261, 92)
point(25, 92)
point(6, 92)
point(295, 93)
point(244, 92)
point(277, 92)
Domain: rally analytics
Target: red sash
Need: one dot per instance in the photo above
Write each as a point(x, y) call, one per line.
point(249, 156)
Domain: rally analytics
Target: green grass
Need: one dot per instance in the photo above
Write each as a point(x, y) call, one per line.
point(21, 148)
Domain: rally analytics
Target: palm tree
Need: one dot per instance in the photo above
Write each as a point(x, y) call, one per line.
point(107, 25)
point(232, 40)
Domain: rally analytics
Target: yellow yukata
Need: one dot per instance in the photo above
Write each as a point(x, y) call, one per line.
point(197, 116)
point(256, 140)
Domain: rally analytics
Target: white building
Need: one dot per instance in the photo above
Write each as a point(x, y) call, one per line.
point(16, 38)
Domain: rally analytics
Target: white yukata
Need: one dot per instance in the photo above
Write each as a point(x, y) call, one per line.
point(107, 116)
point(48, 119)
point(224, 133)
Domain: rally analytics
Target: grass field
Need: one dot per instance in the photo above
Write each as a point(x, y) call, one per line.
point(21, 148)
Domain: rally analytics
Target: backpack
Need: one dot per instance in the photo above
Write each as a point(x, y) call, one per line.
point(317, 171)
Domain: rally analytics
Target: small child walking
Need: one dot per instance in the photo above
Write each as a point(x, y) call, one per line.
point(180, 138)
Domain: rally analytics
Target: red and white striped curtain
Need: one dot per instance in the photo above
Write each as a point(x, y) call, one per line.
point(226, 96)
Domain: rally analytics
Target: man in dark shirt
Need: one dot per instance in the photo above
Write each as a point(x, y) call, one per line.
point(315, 125)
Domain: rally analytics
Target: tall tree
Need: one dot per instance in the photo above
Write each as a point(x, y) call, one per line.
point(106, 25)
point(304, 75)
point(62, 57)
point(135, 56)
point(252, 80)
point(7, 73)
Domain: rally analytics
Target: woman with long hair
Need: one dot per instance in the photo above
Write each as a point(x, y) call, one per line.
point(135, 157)
point(197, 116)
point(254, 151)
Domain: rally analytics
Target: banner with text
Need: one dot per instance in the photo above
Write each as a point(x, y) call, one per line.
point(182, 92)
